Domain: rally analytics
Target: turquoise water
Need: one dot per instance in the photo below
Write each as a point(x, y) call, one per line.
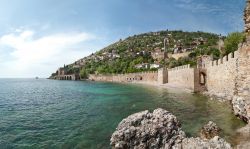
point(68, 114)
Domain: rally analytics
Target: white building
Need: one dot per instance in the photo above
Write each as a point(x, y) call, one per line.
point(154, 66)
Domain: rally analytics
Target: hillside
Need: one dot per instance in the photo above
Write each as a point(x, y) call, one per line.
point(146, 52)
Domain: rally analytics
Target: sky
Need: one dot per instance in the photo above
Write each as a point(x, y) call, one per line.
point(38, 36)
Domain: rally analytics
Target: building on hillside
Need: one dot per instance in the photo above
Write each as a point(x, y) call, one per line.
point(76, 66)
point(61, 71)
point(143, 66)
point(159, 54)
point(177, 50)
point(198, 41)
point(154, 66)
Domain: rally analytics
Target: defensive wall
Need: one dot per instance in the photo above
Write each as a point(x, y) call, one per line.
point(182, 76)
point(146, 77)
point(222, 76)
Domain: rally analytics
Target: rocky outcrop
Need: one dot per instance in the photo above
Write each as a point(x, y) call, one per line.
point(247, 17)
point(161, 130)
point(210, 130)
point(239, 108)
point(198, 143)
point(243, 137)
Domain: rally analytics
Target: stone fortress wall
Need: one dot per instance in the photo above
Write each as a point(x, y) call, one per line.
point(221, 76)
point(241, 98)
point(182, 76)
point(145, 77)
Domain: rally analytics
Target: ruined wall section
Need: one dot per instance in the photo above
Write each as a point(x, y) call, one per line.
point(222, 75)
point(182, 76)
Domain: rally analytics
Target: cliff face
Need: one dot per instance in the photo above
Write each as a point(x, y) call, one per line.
point(247, 17)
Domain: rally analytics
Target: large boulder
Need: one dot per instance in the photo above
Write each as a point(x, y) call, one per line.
point(159, 129)
point(209, 130)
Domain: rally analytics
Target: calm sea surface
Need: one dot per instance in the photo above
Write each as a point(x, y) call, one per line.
point(66, 114)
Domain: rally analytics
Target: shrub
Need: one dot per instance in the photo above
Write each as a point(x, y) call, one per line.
point(232, 41)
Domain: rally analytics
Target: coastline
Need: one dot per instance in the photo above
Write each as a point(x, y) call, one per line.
point(243, 134)
point(153, 84)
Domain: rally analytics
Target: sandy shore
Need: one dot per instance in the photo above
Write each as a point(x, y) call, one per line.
point(167, 86)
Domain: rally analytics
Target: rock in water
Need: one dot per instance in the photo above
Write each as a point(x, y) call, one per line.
point(159, 129)
point(210, 130)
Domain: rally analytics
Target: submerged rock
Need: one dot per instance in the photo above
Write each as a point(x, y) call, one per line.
point(161, 130)
point(209, 130)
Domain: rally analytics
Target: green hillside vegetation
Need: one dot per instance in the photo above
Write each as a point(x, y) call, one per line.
point(232, 41)
point(128, 48)
point(124, 55)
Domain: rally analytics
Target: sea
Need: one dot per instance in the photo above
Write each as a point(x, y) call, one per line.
point(52, 114)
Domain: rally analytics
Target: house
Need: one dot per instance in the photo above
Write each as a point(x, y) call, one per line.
point(177, 50)
point(198, 41)
point(154, 66)
point(76, 66)
point(142, 66)
point(159, 54)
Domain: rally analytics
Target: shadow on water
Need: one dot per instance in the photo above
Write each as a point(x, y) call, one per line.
point(66, 114)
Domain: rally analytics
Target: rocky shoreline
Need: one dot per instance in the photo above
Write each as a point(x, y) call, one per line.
point(161, 130)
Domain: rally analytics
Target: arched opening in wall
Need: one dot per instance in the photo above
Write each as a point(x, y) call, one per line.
point(138, 78)
point(70, 78)
point(203, 78)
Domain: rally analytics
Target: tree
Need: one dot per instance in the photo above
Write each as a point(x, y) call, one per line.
point(232, 41)
point(83, 74)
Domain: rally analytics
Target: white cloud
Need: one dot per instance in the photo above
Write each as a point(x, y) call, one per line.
point(29, 55)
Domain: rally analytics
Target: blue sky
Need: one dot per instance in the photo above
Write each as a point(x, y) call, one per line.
point(38, 36)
